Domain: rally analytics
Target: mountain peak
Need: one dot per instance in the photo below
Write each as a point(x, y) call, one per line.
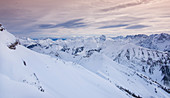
point(6, 38)
point(163, 36)
point(1, 27)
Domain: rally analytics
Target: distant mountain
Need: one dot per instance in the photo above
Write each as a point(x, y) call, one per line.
point(155, 41)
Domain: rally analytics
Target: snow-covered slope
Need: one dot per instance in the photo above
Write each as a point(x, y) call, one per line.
point(133, 69)
point(27, 74)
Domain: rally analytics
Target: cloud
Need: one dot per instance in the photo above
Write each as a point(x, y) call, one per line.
point(113, 26)
point(46, 26)
point(137, 27)
point(76, 23)
point(125, 5)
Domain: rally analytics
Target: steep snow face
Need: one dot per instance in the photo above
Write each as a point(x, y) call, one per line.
point(155, 64)
point(6, 38)
point(118, 61)
point(25, 73)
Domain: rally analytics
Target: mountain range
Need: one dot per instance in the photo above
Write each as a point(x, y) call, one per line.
point(87, 67)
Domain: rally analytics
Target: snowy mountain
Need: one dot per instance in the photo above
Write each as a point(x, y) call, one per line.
point(28, 74)
point(133, 69)
point(154, 41)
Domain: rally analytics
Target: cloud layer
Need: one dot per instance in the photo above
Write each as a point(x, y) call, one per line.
point(46, 18)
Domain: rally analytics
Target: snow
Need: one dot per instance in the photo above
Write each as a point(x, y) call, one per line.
point(25, 73)
point(13, 89)
point(108, 59)
point(6, 38)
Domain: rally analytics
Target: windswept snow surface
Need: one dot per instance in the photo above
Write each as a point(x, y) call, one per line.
point(27, 74)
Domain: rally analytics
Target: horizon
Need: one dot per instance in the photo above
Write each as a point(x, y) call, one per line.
point(69, 18)
point(86, 36)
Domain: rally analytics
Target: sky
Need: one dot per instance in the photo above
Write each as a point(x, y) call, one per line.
point(61, 18)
